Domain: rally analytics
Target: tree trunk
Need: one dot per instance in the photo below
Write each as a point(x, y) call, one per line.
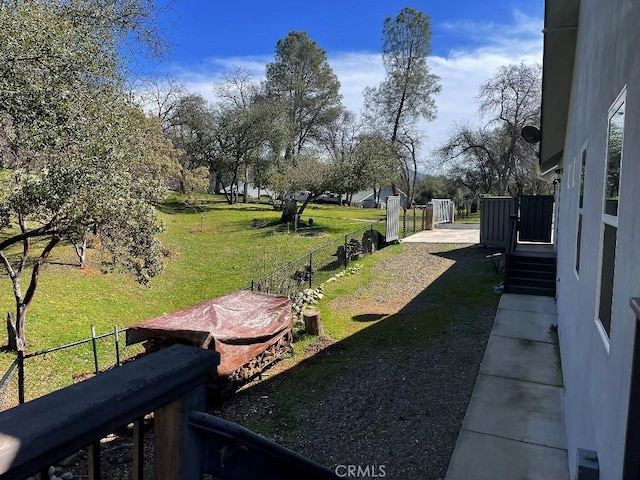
point(289, 210)
point(305, 203)
point(16, 335)
point(414, 174)
point(12, 334)
point(312, 322)
point(245, 190)
point(81, 251)
point(227, 196)
point(16, 331)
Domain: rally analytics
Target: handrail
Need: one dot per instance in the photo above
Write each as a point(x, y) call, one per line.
point(233, 452)
point(43, 431)
point(513, 233)
point(73, 344)
point(188, 442)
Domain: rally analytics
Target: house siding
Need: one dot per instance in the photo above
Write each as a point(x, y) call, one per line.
point(597, 381)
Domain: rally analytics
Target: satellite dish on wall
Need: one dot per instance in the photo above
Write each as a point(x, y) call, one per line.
point(531, 134)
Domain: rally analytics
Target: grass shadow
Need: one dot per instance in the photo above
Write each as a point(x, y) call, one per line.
point(368, 317)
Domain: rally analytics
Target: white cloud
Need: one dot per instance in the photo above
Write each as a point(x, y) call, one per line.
point(461, 71)
point(356, 71)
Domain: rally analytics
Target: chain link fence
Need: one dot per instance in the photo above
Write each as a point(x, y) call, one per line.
point(413, 220)
point(9, 387)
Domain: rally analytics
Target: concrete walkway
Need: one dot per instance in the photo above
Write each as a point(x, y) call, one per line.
point(514, 425)
point(456, 233)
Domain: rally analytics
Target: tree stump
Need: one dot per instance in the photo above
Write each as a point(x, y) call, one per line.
point(312, 322)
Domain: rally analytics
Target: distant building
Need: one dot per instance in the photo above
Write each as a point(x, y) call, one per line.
point(365, 198)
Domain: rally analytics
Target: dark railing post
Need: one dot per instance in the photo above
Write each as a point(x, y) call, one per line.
point(310, 270)
point(178, 449)
point(346, 256)
point(94, 460)
point(95, 351)
point(115, 334)
point(138, 449)
point(252, 285)
point(20, 377)
point(513, 233)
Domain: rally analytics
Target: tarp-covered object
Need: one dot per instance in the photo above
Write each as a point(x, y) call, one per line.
point(239, 326)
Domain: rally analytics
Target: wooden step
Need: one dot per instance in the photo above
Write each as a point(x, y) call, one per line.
point(524, 290)
point(531, 272)
point(534, 282)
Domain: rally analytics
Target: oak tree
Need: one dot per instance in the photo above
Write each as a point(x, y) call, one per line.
point(75, 153)
point(301, 79)
point(494, 158)
point(407, 94)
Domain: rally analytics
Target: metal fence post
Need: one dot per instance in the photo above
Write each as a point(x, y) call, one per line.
point(20, 377)
point(115, 333)
point(252, 285)
point(95, 351)
point(414, 219)
point(310, 270)
point(346, 257)
point(404, 223)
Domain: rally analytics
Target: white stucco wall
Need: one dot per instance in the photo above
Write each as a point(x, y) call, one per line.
point(596, 380)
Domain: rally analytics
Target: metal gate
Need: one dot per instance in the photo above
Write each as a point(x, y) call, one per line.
point(442, 211)
point(536, 218)
point(393, 219)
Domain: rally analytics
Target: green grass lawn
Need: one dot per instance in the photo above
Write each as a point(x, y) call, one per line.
point(211, 248)
point(470, 218)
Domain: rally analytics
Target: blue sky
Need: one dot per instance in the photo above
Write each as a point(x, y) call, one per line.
point(470, 40)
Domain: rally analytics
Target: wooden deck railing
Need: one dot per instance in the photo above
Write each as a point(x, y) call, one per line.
point(187, 442)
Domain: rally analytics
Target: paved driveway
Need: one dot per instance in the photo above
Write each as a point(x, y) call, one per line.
point(454, 233)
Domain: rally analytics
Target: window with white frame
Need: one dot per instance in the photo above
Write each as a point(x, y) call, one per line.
point(609, 227)
point(581, 170)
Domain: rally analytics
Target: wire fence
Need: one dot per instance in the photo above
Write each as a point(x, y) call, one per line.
point(9, 394)
point(321, 263)
point(30, 374)
point(413, 220)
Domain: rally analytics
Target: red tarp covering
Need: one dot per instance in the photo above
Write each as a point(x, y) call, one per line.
point(238, 326)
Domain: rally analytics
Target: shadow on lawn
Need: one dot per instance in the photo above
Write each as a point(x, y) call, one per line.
point(175, 206)
point(368, 317)
point(395, 392)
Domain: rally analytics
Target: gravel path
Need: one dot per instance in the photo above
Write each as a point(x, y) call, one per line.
point(395, 410)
